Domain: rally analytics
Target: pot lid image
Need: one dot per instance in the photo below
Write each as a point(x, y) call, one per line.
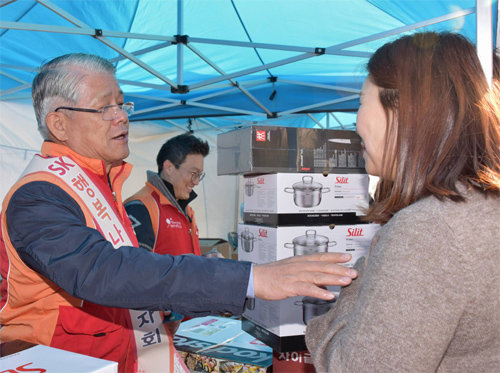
point(307, 184)
point(246, 234)
point(310, 239)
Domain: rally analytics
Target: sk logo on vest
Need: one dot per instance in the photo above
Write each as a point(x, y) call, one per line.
point(171, 223)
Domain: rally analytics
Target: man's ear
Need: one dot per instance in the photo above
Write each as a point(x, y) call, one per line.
point(57, 125)
point(168, 167)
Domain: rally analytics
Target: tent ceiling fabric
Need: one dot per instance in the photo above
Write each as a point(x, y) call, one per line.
point(232, 61)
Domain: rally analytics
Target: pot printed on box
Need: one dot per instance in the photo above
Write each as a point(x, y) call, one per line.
point(285, 320)
point(275, 243)
point(250, 304)
point(312, 199)
point(249, 187)
point(310, 243)
point(247, 239)
point(307, 193)
point(312, 307)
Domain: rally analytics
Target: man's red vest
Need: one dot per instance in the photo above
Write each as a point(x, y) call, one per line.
point(174, 233)
point(36, 310)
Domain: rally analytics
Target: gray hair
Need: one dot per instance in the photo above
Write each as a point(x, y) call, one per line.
point(58, 81)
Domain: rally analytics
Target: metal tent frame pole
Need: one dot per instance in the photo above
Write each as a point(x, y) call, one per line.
point(484, 37)
point(180, 46)
point(235, 83)
point(107, 42)
point(484, 30)
point(334, 49)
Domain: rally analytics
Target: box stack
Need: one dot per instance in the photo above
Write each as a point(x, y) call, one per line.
point(304, 191)
point(282, 324)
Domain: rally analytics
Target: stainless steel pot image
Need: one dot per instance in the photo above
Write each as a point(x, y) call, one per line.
point(310, 243)
point(307, 193)
point(247, 239)
point(249, 188)
point(312, 307)
point(250, 303)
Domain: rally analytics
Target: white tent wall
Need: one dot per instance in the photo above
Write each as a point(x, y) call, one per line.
point(19, 140)
point(12, 161)
point(215, 209)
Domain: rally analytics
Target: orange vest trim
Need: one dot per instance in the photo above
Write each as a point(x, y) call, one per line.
point(24, 283)
point(37, 310)
point(144, 195)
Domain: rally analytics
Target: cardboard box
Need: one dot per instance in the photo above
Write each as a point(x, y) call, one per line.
point(264, 149)
point(214, 245)
point(218, 344)
point(48, 359)
point(293, 362)
point(278, 343)
point(282, 324)
point(281, 199)
point(263, 244)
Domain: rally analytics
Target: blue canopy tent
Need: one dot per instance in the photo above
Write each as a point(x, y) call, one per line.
point(253, 59)
point(211, 66)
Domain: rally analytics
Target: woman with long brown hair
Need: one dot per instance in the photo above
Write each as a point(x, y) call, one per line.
point(427, 297)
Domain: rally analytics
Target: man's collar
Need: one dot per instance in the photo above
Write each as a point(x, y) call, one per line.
point(52, 149)
point(167, 190)
point(182, 202)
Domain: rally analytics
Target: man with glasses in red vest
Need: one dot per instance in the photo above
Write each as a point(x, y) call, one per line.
point(74, 275)
point(162, 219)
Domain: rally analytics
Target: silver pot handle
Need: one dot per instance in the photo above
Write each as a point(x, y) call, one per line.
point(289, 190)
point(289, 245)
point(332, 243)
point(325, 190)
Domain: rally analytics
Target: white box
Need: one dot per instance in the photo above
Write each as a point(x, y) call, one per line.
point(259, 244)
point(263, 244)
point(305, 199)
point(53, 360)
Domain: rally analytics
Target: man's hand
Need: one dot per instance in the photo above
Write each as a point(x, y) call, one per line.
point(302, 275)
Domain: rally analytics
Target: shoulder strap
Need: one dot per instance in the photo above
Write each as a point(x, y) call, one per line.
point(69, 172)
point(152, 340)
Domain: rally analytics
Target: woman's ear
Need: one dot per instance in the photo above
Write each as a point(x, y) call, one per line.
point(57, 125)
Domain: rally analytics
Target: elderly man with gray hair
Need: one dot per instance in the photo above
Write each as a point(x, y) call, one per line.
point(74, 277)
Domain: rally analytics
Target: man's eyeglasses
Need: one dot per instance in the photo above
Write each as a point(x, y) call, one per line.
point(109, 112)
point(195, 176)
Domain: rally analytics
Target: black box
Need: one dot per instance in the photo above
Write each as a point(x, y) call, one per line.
point(313, 219)
point(277, 343)
point(263, 149)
